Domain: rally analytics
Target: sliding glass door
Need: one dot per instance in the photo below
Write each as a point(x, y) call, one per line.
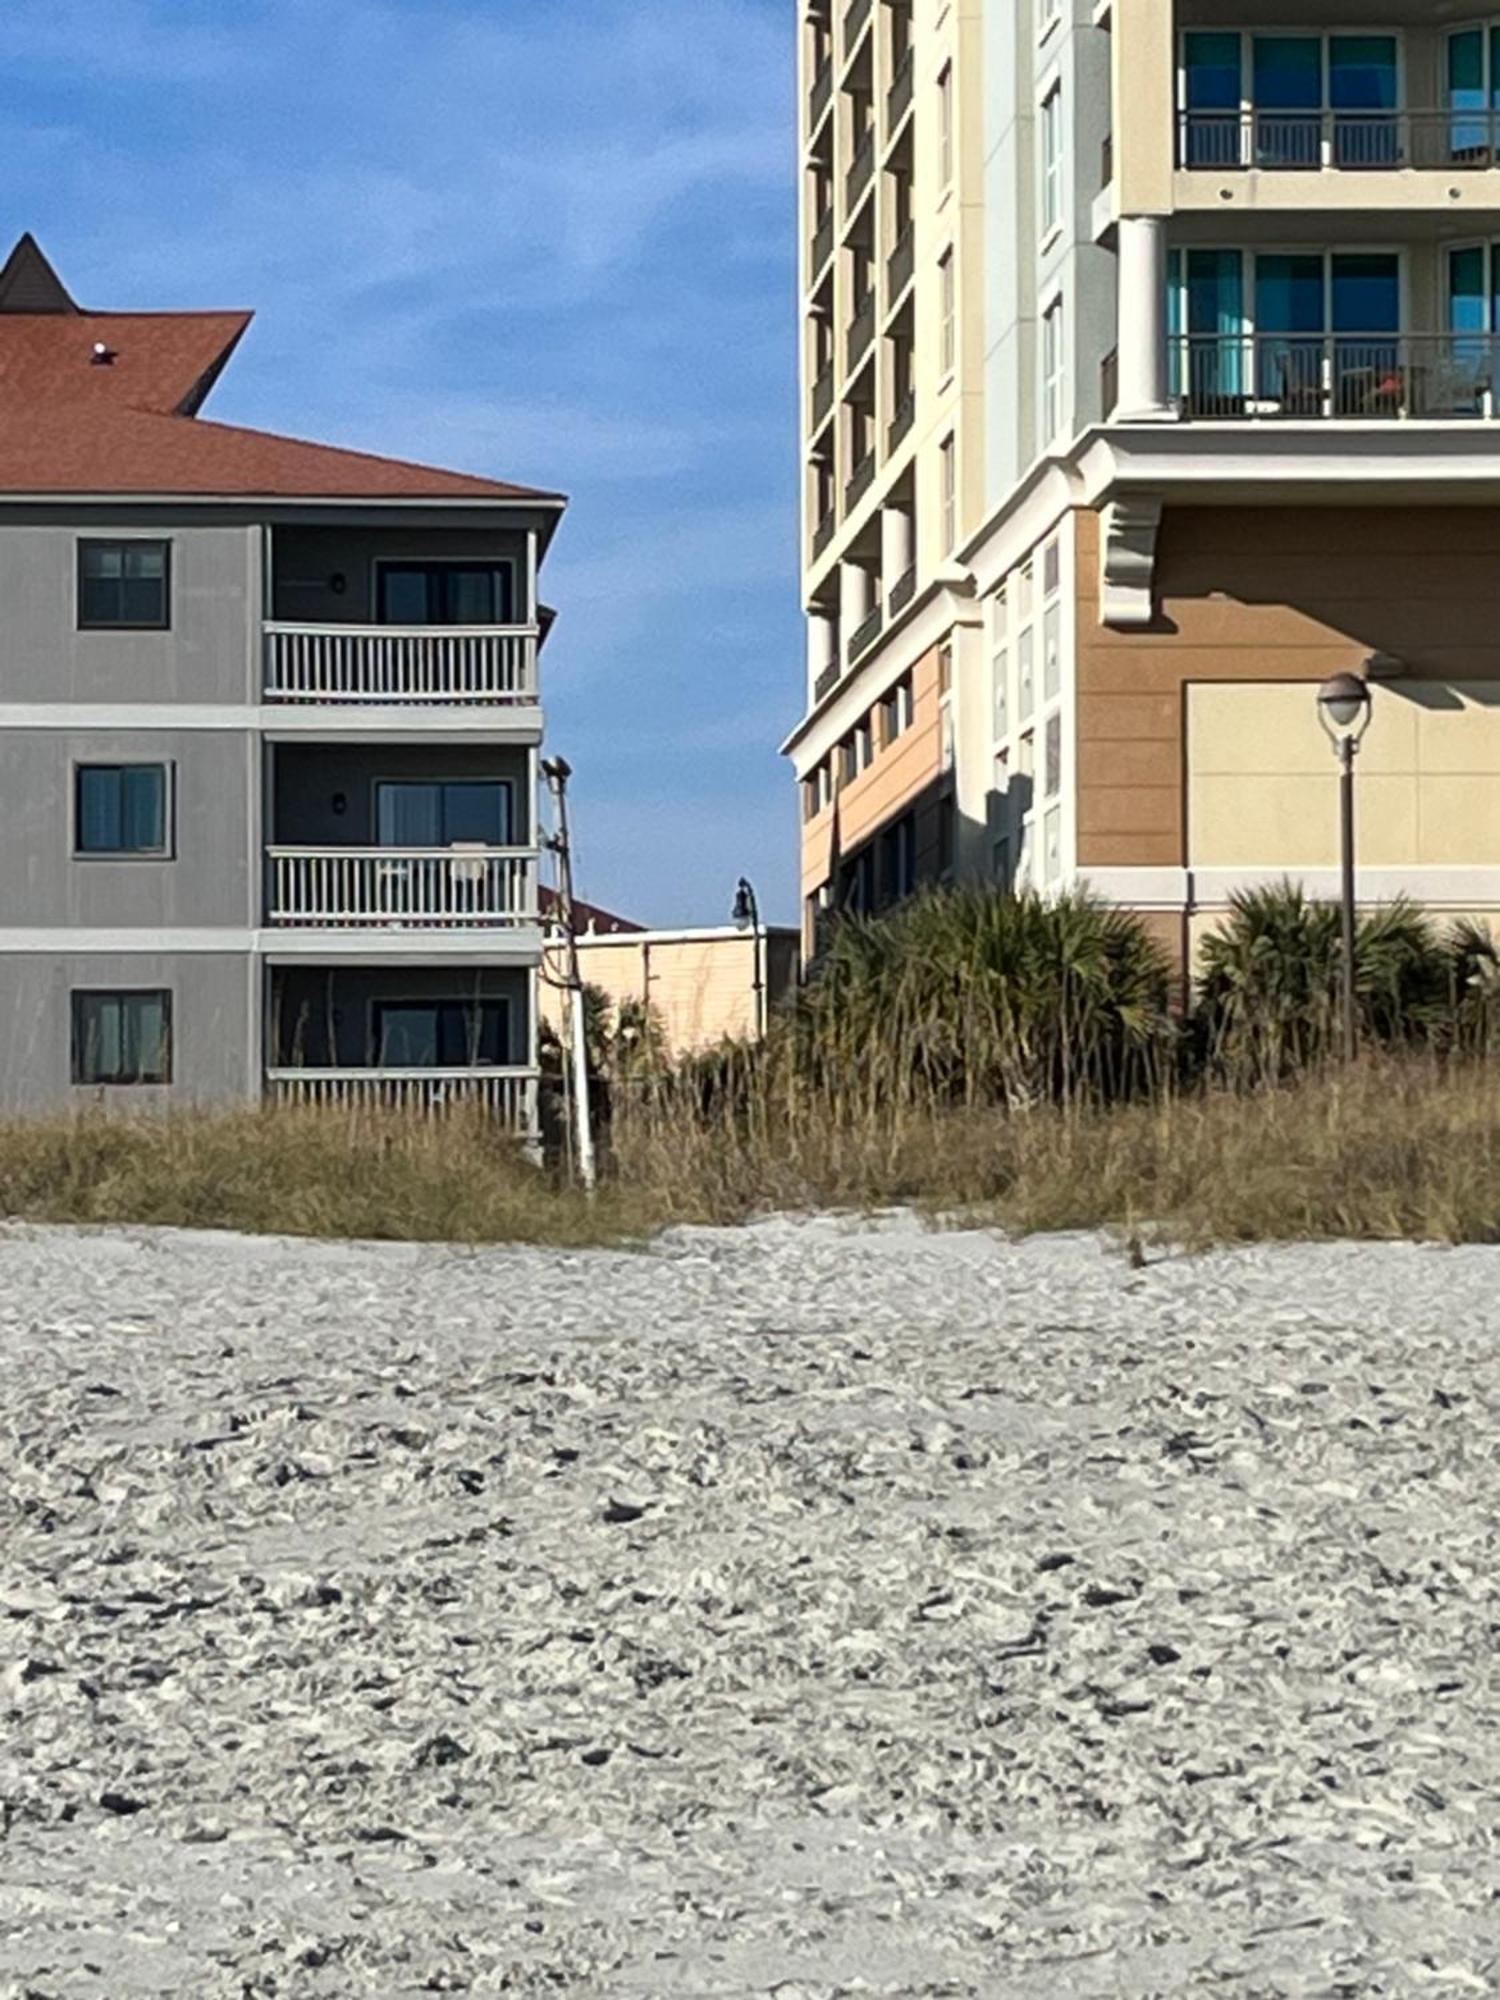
point(1473, 92)
point(1290, 100)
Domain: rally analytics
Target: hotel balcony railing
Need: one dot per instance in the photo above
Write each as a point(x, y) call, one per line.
point(864, 635)
point(901, 422)
point(508, 1095)
point(822, 245)
point(856, 14)
point(383, 664)
point(822, 394)
point(900, 265)
point(1336, 376)
point(1109, 384)
point(898, 97)
point(1106, 161)
point(827, 681)
point(902, 591)
point(863, 167)
point(1357, 141)
point(821, 95)
point(402, 888)
point(861, 331)
point(860, 480)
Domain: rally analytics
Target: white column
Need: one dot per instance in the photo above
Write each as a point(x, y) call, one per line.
point(1142, 342)
point(856, 597)
point(895, 544)
point(822, 645)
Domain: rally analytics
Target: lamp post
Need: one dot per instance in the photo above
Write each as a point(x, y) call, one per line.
point(746, 915)
point(1344, 712)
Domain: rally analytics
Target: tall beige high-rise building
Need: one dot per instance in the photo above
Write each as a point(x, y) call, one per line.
point(1149, 377)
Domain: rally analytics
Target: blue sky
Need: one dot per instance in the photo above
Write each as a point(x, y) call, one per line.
point(551, 240)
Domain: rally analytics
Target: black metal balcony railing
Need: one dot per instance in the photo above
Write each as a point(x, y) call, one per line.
point(856, 14)
point(898, 97)
point(823, 534)
point(822, 394)
point(1106, 161)
point(860, 480)
point(822, 245)
point(864, 635)
point(821, 95)
point(861, 170)
point(861, 332)
point(901, 422)
point(900, 265)
point(827, 681)
point(1334, 376)
point(1109, 384)
point(1310, 141)
point(902, 591)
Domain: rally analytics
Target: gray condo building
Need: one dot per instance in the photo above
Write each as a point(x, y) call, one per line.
point(269, 728)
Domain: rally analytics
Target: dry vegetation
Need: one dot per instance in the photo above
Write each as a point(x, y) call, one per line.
point(998, 1060)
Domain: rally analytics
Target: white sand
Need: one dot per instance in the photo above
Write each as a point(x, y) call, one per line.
point(326, 1674)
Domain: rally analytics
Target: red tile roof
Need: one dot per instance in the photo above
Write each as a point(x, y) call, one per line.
point(106, 403)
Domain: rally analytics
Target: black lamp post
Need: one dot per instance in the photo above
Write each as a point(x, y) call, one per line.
point(746, 915)
point(1344, 711)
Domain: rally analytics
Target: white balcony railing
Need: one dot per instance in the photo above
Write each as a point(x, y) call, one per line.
point(400, 663)
point(507, 1095)
point(433, 888)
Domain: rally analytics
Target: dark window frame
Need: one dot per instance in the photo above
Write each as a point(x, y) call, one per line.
point(162, 624)
point(80, 996)
point(168, 849)
point(467, 1003)
point(386, 567)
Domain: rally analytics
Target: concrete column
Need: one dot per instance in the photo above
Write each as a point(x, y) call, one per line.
point(856, 597)
point(1142, 341)
point(822, 644)
point(895, 544)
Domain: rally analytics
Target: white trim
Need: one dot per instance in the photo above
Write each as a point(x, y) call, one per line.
point(329, 721)
point(1211, 888)
point(521, 944)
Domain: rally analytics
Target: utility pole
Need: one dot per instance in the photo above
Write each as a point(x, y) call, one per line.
point(557, 771)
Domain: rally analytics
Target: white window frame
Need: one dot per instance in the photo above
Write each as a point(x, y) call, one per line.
point(1050, 121)
point(1054, 345)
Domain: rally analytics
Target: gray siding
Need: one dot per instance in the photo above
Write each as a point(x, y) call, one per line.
point(309, 777)
point(320, 1018)
point(214, 1009)
point(212, 878)
point(307, 562)
point(208, 655)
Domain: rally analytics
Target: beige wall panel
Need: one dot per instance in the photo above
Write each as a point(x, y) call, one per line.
point(1130, 718)
point(1274, 730)
point(1463, 736)
point(702, 988)
point(1127, 809)
point(1130, 850)
point(1154, 763)
point(1458, 819)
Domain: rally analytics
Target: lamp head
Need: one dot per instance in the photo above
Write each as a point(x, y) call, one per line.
point(1344, 705)
point(743, 913)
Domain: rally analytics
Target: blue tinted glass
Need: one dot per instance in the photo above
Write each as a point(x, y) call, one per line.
point(1215, 291)
point(1212, 65)
point(477, 811)
point(1366, 293)
point(409, 815)
point(1289, 294)
point(99, 827)
point(1362, 72)
point(408, 1037)
point(1468, 304)
point(1288, 72)
point(143, 805)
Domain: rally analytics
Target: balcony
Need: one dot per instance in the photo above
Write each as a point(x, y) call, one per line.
point(822, 246)
point(459, 888)
point(1364, 377)
point(827, 681)
point(860, 480)
point(861, 332)
point(864, 635)
point(823, 534)
point(821, 95)
point(822, 394)
point(898, 97)
point(856, 18)
point(1353, 141)
point(397, 664)
point(903, 590)
point(861, 170)
point(901, 422)
point(508, 1095)
point(900, 265)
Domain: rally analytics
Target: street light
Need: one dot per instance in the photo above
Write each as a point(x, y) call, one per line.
point(1344, 712)
point(746, 916)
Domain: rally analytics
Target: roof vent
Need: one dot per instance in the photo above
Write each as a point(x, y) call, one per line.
point(102, 356)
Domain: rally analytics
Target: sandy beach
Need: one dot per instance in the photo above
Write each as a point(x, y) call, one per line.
point(813, 1609)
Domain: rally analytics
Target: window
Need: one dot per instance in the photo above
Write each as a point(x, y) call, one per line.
point(1052, 757)
point(436, 813)
point(122, 1037)
point(945, 125)
point(1051, 651)
point(445, 593)
point(946, 816)
point(1052, 371)
point(898, 859)
point(864, 744)
point(1051, 568)
point(896, 710)
point(1051, 14)
point(124, 586)
point(945, 666)
point(949, 450)
point(1052, 843)
point(441, 1034)
point(947, 295)
point(1026, 672)
point(121, 809)
point(1302, 100)
point(1051, 160)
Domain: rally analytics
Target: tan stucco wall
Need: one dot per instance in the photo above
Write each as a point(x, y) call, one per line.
point(1291, 594)
point(702, 988)
point(900, 774)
